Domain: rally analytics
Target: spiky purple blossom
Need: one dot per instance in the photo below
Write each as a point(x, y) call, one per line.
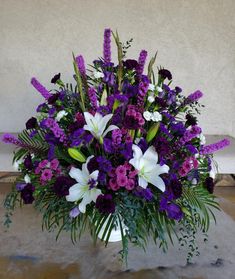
point(211, 148)
point(92, 97)
point(11, 139)
point(107, 45)
point(194, 97)
point(55, 128)
point(40, 88)
point(81, 65)
point(141, 62)
point(143, 88)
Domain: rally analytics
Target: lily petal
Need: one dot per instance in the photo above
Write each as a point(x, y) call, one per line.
point(142, 182)
point(110, 128)
point(76, 192)
point(79, 176)
point(156, 181)
point(151, 155)
point(103, 123)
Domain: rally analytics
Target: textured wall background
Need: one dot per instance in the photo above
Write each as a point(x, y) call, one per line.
point(194, 39)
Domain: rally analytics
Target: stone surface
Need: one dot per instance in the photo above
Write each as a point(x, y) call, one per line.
point(27, 251)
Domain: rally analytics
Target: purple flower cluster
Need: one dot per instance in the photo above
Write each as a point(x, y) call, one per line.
point(193, 132)
point(143, 88)
point(92, 97)
point(133, 118)
point(81, 65)
point(194, 97)
point(141, 62)
point(107, 45)
point(40, 88)
point(51, 124)
point(211, 148)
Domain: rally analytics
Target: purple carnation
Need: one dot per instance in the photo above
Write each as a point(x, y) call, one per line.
point(211, 148)
point(81, 65)
point(40, 88)
point(164, 73)
point(55, 78)
point(107, 45)
point(31, 123)
point(27, 193)
point(130, 64)
point(62, 185)
point(105, 204)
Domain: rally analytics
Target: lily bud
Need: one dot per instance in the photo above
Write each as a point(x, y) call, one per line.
point(152, 131)
point(76, 154)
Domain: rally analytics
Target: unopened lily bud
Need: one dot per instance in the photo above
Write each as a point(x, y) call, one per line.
point(152, 131)
point(76, 154)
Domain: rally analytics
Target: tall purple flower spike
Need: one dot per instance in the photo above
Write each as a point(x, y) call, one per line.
point(81, 64)
point(92, 97)
point(211, 148)
point(107, 45)
point(141, 62)
point(194, 96)
point(40, 88)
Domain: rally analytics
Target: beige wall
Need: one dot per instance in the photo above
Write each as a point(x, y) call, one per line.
point(195, 39)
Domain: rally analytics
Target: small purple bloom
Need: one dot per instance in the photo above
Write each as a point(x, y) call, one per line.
point(164, 73)
point(130, 64)
point(27, 193)
point(194, 97)
point(74, 212)
point(28, 162)
point(210, 184)
point(211, 148)
point(55, 78)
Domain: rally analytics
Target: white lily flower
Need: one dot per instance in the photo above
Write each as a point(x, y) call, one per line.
point(27, 179)
point(97, 124)
point(148, 168)
point(85, 188)
point(60, 115)
point(151, 87)
point(147, 115)
point(97, 74)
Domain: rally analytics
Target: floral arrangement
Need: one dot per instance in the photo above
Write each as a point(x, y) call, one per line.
point(117, 149)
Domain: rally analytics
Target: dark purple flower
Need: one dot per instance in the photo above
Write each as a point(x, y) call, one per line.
point(164, 73)
point(53, 98)
point(178, 90)
point(143, 144)
point(28, 163)
point(173, 210)
point(55, 78)
point(190, 120)
point(210, 184)
point(109, 78)
point(31, 123)
point(105, 204)
point(130, 64)
point(27, 193)
point(93, 164)
point(62, 185)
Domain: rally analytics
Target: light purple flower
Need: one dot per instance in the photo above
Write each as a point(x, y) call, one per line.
point(141, 62)
point(40, 88)
point(194, 97)
point(81, 65)
point(74, 212)
point(107, 45)
point(211, 148)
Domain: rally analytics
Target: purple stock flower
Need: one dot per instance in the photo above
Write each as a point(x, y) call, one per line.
point(27, 193)
point(11, 139)
point(31, 123)
point(40, 88)
point(141, 62)
point(105, 204)
point(81, 65)
point(109, 78)
point(62, 185)
point(194, 97)
point(133, 118)
point(173, 210)
point(143, 88)
point(211, 148)
point(107, 45)
point(92, 97)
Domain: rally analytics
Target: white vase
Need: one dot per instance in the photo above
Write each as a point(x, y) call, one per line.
point(115, 235)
